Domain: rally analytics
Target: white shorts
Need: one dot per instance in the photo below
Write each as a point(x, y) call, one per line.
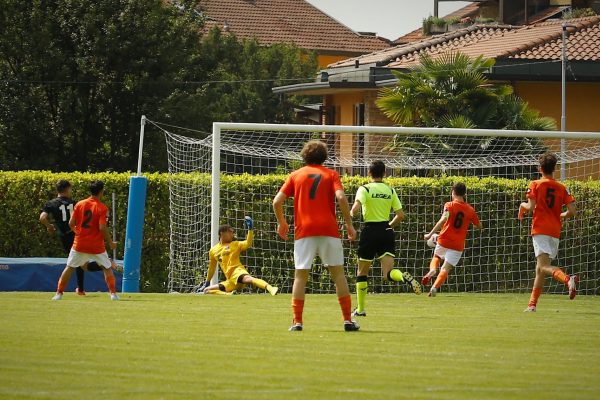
point(544, 244)
point(77, 259)
point(452, 257)
point(329, 250)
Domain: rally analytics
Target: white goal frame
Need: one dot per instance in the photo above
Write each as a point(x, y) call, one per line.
point(218, 127)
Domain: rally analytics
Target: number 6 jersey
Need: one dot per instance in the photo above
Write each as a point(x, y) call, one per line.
point(313, 188)
point(454, 232)
point(88, 216)
point(550, 196)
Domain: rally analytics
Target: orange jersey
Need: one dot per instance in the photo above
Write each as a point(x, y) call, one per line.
point(550, 196)
point(454, 232)
point(88, 214)
point(313, 188)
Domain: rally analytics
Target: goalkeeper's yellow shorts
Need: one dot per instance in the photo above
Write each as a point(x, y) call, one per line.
point(232, 283)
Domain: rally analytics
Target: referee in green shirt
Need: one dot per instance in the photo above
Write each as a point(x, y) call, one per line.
point(377, 239)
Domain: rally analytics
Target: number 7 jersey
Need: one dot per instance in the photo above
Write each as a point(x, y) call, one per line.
point(313, 188)
point(550, 196)
point(454, 232)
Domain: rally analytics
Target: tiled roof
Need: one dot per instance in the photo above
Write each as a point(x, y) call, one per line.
point(535, 42)
point(432, 44)
point(583, 44)
point(288, 21)
point(469, 10)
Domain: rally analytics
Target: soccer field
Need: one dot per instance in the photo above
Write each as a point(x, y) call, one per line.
point(155, 346)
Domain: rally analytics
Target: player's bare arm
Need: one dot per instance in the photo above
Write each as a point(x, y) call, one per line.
point(46, 222)
point(345, 209)
point(525, 208)
point(571, 211)
point(437, 226)
point(72, 223)
point(398, 217)
point(356, 207)
point(283, 228)
point(107, 237)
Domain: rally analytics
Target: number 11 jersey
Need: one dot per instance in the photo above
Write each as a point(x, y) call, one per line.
point(88, 215)
point(454, 232)
point(313, 188)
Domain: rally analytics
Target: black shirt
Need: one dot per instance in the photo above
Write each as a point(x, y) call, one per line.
point(60, 208)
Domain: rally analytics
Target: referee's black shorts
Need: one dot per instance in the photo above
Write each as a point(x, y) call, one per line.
point(377, 239)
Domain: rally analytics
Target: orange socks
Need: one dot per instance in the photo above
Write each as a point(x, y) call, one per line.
point(298, 309)
point(560, 276)
point(441, 279)
point(61, 286)
point(435, 263)
point(535, 295)
point(110, 282)
point(346, 306)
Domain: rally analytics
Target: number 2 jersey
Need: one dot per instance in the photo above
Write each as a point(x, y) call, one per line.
point(550, 196)
point(454, 232)
point(60, 208)
point(88, 216)
point(313, 188)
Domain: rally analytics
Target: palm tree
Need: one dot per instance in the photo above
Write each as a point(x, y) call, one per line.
point(452, 91)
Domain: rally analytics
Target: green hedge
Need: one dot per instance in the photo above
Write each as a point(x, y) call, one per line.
point(23, 194)
point(497, 259)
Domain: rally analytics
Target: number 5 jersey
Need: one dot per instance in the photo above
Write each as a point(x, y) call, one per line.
point(550, 196)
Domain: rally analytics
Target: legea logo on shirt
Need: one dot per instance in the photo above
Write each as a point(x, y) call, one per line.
point(381, 196)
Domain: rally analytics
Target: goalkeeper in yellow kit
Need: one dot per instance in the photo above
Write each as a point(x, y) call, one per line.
point(226, 254)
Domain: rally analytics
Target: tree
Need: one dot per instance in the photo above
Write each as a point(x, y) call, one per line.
point(452, 92)
point(75, 77)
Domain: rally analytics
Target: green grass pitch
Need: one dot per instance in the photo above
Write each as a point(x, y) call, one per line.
point(159, 346)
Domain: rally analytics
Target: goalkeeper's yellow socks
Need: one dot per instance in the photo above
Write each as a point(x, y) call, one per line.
point(346, 306)
point(297, 310)
point(259, 283)
point(441, 278)
point(395, 275)
point(559, 275)
point(361, 292)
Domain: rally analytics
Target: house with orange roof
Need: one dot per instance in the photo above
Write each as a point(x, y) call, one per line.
point(290, 21)
point(527, 57)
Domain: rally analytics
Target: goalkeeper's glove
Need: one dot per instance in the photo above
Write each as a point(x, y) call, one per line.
point(248, 222)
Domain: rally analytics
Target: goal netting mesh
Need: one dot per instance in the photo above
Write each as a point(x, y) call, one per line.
point(422, 168)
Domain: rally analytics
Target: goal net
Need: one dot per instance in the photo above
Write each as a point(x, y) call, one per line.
point(238, 169)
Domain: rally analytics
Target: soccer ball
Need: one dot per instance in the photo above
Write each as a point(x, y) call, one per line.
point(432, 240)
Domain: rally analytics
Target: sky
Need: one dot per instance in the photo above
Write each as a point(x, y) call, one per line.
point(387, 18)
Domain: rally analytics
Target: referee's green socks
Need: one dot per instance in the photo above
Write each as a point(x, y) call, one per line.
point(361, 292)
point(395, 275)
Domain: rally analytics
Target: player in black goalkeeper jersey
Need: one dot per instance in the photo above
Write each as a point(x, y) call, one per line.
point(60, 209)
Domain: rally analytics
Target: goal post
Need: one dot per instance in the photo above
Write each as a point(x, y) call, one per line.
point(238, 169)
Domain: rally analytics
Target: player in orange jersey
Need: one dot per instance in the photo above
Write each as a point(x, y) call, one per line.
point(546, 198)
point(88, 221)
point(456, 219)
point(315, 189)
